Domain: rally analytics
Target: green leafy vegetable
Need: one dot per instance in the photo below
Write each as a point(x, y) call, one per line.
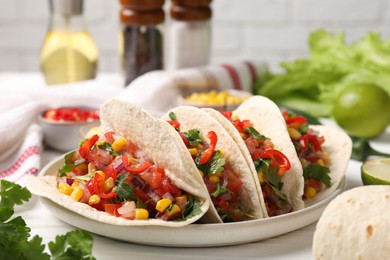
point(362, 149)
point(317, 172)
point(108, 147)
point(123, 189)
point(193, 136)
point(275, 181)
point(256, 135)
point(219, 191)
point(192, 208)
point(15, 242)
point(311, 84)
point(213, 166)
point(172, 116)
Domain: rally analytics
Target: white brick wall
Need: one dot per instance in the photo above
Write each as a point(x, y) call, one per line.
point(270, 30)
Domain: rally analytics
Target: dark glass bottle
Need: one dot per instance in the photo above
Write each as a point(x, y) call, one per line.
point(141, 38)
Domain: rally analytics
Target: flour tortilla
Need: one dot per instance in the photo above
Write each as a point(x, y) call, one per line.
point(145, 131)
point(268, 121)
point(194, 118)
point(355, 225)
point(339, 147)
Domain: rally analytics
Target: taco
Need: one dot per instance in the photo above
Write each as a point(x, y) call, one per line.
point(259, 130)
point(324, 153)
point(213, 156)
point(130, 175)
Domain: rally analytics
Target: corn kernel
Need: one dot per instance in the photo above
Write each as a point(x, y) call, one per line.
point(193, 151)
point(141, 214)
point(132, 160)
point(98, 143)
point(310, 192)
point(91, 168)
point(65, 188)
point(101, 173)
point(199, 146)
point(163, 204)
point(261, 177)
point(75, 184)
point(108, 184)
point(173, 210)
point(94, 199)
point(119, 144)
point(77, 193)
point(214, 178)
point(201, 173)
point(222, 154)
point(294, 133)
point(320, 162)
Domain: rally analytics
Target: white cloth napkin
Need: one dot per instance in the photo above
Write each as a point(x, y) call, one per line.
point(24, 96)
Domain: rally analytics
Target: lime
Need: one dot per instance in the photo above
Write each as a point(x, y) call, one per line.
point(363, 110)
point(376, 171)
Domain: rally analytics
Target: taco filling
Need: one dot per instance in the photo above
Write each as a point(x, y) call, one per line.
point(111, 174)
point(222, 184)
point(270, 163)
point(308, 145)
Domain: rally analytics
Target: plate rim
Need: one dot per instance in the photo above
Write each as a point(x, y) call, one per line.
point(297, 219)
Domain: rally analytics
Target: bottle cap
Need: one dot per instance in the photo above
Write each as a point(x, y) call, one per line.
point(192, 3)
point(66, 7)
point(180, 13)
point(139, 18)
point(142, 5)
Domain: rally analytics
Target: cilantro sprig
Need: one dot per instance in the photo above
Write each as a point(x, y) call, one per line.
point(15, 242)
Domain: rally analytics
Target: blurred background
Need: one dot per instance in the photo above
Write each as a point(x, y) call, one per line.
point(269, 30)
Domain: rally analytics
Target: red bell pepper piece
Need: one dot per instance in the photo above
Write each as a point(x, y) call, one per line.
point(206, 155)
point(135, 169)
point(277, 159)
point(227, 114)
point(87, 145)
point(307, 139)
point(175, 124)
point(296, 121)
point(97, 183)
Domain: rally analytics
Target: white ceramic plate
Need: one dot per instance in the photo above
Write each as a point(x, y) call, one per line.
point(194, 235)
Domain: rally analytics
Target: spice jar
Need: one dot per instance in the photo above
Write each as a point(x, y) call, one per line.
point(141, 38)
point(188, 39)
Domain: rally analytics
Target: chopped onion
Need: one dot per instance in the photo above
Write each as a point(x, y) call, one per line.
point(153, 196)
point(168, 195)
point(138, 182)
point(78, 161)
point(127, 210)
point(69, 181)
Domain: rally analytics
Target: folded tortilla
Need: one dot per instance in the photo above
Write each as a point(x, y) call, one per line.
point(194, 118)
point(339, 147)
point(144, 130)
point(268, 121)
point(355, 225)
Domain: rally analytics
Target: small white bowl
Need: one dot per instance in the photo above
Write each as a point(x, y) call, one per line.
point(183, 101)
point(63, 135)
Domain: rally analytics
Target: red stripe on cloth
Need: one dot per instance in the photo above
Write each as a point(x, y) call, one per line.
point(30, 151)
point(252, 71)
point(233, 75)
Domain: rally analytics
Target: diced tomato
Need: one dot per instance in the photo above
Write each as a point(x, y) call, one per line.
point(234, 184)
point(307, 139)
point(109, 137)
point(153, 177)
point(168, 186)
point(140, 194)
point(223, 204)
point(112, 209)
point(227, 114)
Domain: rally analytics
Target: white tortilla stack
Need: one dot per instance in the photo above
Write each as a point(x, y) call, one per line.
point(355, 225)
